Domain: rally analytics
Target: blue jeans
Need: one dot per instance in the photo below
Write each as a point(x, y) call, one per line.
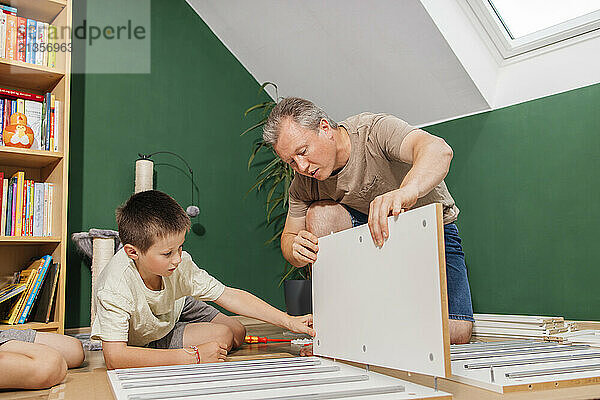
point(459, 293)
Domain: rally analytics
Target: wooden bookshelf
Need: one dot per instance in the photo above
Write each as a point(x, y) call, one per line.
point(34, 77)
point(41, 166)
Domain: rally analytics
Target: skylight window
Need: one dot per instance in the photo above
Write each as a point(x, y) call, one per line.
point(523, 17)
point(520, 26)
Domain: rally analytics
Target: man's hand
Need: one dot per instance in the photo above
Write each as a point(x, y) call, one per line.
point(301, 324)
point(304, 247)
point(390, 203)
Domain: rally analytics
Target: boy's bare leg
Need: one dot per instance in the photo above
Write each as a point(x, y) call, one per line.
point(238, 330)
point(30, 366)
point(69, 347)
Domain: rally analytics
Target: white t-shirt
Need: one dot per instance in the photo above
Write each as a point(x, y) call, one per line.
point(127, 311)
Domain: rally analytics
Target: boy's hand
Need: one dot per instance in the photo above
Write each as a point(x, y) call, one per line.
point(301, 324)
point(212, 352)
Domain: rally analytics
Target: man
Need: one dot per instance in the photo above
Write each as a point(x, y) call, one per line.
point(359, 171)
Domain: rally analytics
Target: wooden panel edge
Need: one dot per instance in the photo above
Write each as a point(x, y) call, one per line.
point(443, 287)
point(552, 385)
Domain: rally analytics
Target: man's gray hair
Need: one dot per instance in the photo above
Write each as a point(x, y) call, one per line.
point(303, 112)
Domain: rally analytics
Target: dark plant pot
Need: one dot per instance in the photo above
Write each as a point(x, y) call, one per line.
point(298, 296)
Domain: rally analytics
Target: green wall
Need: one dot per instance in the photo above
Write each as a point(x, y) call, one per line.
point(526, 179)
point(191, 103)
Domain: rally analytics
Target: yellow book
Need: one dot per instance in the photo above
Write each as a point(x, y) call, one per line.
point(20, 175)
point(28, 277)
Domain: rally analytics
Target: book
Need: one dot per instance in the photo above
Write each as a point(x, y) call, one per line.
point(53, 290)
point(38, 207)
point(10, 291)
point(52, 123)
point(31, 281)
point(42, 270)
point(8, 10)
point(4, 204)
point(17, 94)
point(47, 120)
point(18, 203)
point(29, 213)
point(2, 35)
point(31, 206)
point(42, 305)
point(1, 118)
point(58, 124)
point(41, 42)
point(27, 277)
point(11, 37)
point(52, 37)
point(7, 308)
point(44, 45)
point(21, 106)
point(9, 197)
point(31, 40)
point(50, 201)
point(33, 112)
point(46, 202)
point(13, 207)
point(21, 39)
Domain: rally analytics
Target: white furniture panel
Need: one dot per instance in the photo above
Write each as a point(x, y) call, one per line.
point(385, 306)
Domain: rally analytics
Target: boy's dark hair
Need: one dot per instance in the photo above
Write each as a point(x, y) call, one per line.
point(149, 215)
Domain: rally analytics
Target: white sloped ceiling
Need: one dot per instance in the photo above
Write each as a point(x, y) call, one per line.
point(348, 56)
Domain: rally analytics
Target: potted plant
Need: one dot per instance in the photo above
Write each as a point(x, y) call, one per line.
point(275, 178)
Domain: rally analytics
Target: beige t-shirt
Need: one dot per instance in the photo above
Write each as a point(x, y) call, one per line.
point(127, 311)
point(374, 168)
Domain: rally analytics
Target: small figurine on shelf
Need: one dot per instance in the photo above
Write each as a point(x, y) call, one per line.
point(18, 134)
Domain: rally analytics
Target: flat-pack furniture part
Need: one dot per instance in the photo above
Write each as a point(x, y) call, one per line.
point(385, 306)
point(279, 378)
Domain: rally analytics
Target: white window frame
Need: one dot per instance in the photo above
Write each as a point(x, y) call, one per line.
point(588, 25)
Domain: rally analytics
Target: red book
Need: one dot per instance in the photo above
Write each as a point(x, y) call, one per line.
point(17, 94)
point(21, 38)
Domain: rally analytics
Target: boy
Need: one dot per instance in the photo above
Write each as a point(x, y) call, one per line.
point(36, 360)
point(148, 299)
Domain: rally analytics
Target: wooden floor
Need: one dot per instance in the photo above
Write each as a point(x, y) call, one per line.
point(90, 381)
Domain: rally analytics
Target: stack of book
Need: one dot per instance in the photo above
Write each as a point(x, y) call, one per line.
point(488, 327)
point(42, 114)
point(31, 293)
point(26, 40)
point(26, 206)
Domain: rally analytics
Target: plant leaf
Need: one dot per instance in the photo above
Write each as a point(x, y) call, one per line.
point(270, 165)
point(264, 105)
point(274, 237)
point(257, 148)
point(274, 186)
point(275, 204)
point(264, 85)
point(279, 216)
point(259, 123)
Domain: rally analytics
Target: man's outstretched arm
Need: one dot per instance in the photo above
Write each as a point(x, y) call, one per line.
point(430, 157)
